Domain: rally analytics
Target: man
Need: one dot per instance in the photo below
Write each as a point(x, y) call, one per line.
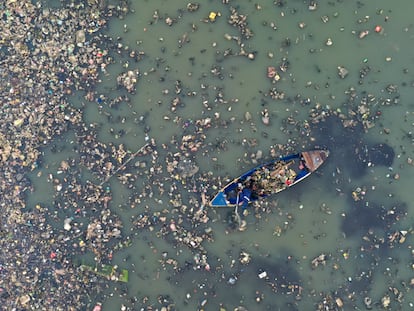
point(245, 197)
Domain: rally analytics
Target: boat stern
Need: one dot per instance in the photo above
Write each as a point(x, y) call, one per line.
point(219, 200)
point(315, 158)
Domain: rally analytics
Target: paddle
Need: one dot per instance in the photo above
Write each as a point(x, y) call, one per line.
point(236, 209)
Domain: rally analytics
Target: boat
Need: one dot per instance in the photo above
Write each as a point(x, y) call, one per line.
point(269, 178)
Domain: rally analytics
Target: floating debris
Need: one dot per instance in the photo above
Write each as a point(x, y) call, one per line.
point(342, 72)
point(128, 80)
point(319, 260)
point(110, 272)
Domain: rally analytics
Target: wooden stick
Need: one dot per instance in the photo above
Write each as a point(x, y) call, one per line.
point(236, 210)
point(123, 165)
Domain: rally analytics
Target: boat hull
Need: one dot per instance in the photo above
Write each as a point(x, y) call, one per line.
point(269, 178)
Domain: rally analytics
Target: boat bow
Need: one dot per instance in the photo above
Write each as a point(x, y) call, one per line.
point(315, 158)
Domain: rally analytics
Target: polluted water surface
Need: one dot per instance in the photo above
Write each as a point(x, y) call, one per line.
point(122, 119)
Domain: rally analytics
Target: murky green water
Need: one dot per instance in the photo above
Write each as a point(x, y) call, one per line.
point(316, 217)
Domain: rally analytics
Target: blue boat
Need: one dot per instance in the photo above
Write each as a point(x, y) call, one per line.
point(269, 178)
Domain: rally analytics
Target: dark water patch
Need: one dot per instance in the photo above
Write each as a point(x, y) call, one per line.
point(381, 154)
point(361, 282)
point(271, 282)
point(206, 285)
point(278, 274)
point(343, 142)
point(360, 219)
point(362, 216)
point(350, 151)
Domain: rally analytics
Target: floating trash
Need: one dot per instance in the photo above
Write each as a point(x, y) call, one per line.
point(112, 273)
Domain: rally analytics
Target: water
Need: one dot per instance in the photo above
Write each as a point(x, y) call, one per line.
point(315, 217)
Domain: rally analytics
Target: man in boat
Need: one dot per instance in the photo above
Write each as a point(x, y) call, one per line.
point(246, 195)
point(243, 197)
